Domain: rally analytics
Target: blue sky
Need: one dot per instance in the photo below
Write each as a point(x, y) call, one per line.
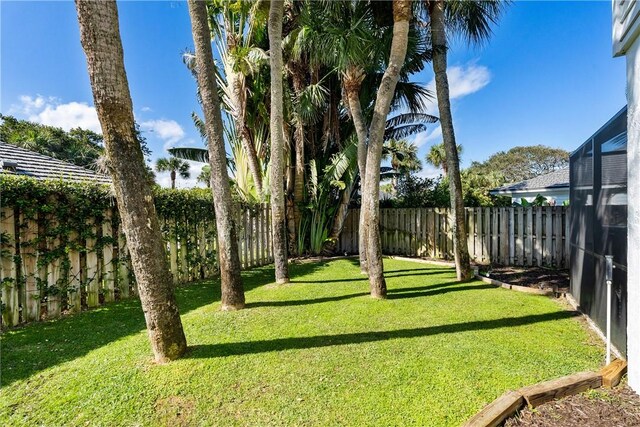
point(545, 77)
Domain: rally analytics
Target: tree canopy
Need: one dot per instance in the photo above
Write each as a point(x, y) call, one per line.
point(78, 146)
point(523, 162)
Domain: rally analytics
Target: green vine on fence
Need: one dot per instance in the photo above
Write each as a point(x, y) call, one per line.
point(68, 213)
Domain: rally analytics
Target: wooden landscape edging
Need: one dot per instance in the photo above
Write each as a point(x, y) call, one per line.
point(507, 405)
point(525, 289)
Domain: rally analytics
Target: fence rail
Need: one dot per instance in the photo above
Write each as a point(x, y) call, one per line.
point(43, 275)
point(517, 236)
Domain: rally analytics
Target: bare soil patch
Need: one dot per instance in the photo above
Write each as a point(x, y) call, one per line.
point(619, 407)
point(174, 411)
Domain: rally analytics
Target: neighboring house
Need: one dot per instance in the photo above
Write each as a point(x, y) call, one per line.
point(626, 28)
point(19, 161)
point(554, 186)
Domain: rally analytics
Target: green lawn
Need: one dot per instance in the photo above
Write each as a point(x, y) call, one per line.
point(318, 351)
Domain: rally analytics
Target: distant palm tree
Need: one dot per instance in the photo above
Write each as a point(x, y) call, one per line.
point(174, 166)
point(205, 176)
point(437, 157)
point(404, 159)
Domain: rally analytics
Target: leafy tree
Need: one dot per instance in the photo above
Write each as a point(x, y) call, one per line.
point(174, 166)
point(78, 146)
point(232, 289)
point(416, 192)
point(523, 162)
point(100, 39)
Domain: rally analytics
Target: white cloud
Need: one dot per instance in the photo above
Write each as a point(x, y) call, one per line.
point(425, 137)
point(146, 109)
point(168, 130)
point(429, 171)
point(465, 80)
point(50, 111)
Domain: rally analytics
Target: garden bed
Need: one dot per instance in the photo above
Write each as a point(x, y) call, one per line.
point(541, 278)
point(602, 407)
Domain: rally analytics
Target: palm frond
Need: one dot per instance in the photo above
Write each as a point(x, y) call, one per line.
point(190, 153)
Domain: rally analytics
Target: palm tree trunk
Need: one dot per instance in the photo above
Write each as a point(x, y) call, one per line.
point(352, 87)
point(100, 38)
point(457, 219)
point(371, 195)
point(231, 282)
point(236, 81)
point(276, 10)
point(298, 137)
point(173, 180)
point(329, 248)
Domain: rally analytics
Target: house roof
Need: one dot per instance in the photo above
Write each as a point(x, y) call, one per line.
point(19, 161)
point(551, 181)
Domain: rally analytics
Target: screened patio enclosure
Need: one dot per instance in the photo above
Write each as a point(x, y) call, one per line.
point(598, 225)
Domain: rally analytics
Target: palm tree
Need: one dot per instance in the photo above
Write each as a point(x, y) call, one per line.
point(100, 38)
point(350, 38)
point(472, 19)
point(276, 11)
point(371, 194)
point(437, 157)
point(404, 159)
point(205, 176)
point(174, 166)
point(233, 24)
point(228, 257)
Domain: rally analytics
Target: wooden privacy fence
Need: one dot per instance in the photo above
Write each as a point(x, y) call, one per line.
point(516, 236)
point(44, 274)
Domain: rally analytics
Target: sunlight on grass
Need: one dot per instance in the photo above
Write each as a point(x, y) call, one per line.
point(317, 351)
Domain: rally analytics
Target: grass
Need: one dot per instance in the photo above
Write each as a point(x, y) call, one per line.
point(318, 351)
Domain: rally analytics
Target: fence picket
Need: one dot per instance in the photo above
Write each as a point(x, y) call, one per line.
point(92, 280)
point(8, 278)
point(108, 275)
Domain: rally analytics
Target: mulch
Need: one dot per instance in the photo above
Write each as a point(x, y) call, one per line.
point(533, 277)
point(619, 407)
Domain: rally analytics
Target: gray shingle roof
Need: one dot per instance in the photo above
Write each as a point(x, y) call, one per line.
point(39, 166)
point(554, 180)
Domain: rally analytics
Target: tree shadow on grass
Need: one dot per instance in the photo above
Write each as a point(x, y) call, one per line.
point(319, 341)
point(387, 274)
point(410, 292)
point(37, 346)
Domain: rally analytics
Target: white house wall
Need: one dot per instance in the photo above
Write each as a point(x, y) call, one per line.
point(626, 25)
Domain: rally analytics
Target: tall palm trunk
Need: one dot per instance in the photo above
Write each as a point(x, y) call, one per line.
point(457, 220)
point(276, 10)
point(231, 282)
point(100, 38)
point(329, 247)
point(238, 99)
point(173, 180)
point(352, 82)
point(299, 141)
point(371, 195)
